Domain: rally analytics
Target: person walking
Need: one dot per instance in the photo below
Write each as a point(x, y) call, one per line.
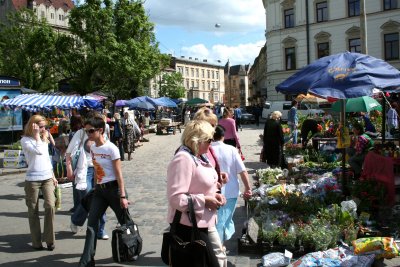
point(39, 176)
point(118, 135)
point(230, 162)
point(273, 140)
point(110, 187)
point(83, 178)
point(190, 173)
point(293, 120)
point(231, 136)
point(392, 119)
point(237, 114)
point(128, 125)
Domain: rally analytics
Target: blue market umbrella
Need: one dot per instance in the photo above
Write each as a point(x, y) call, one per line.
point(167, 102)
point(341, 76)
point(145, 106)
point(154, 102)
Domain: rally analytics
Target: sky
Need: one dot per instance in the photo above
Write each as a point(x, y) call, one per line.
point(209, 29)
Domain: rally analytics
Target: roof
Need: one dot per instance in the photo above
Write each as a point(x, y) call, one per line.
point(63, 4)
point(237, 69)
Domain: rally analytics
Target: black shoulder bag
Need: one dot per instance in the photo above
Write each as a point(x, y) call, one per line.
point(126, 241)
point(176, 252)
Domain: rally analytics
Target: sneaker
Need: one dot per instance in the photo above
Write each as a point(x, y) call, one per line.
point(104, 237)
point(74, 228)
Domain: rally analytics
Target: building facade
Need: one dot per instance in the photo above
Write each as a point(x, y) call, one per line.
point(54, 11)
point(237, 85)
point(153, 87)
point(258, 78)
point(201, 79)
point(301, 31)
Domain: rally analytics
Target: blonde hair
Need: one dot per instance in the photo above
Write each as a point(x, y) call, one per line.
point(117, 116)
point(196, 131)
point(206, 114)
point(276, 115)
point(28, 130)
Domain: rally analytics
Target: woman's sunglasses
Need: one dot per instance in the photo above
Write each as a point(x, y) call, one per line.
point(90, 131)
point(209, 141)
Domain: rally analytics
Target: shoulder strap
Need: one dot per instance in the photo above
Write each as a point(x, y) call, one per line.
point(82, 137)
point(192, 217)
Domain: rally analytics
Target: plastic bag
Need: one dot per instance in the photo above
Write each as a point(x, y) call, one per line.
point(275, 259)
point(57, 193)
point(350, 206)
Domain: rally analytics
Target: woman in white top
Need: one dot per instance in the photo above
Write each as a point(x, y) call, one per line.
point(39, 176)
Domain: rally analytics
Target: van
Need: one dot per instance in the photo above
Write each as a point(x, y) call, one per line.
point(304, 109)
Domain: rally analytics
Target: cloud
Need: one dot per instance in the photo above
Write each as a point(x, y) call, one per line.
point(239, 54)
point(202, 15)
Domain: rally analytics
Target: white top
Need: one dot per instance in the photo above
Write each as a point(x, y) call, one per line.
point(73, 146)
point(229, 161)
point(103, 156)
point(107, 132)
point(38, 159)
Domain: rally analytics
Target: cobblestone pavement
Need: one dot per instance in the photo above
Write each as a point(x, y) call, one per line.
point(145, 178)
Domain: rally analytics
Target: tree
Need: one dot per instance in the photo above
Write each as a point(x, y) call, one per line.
point(116, 51)
point(27, 47)
point(171, 85)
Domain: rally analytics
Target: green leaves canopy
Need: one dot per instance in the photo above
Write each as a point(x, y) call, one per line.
point(171, 85)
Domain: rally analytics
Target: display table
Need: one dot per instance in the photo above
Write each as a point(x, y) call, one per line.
point(382, 169)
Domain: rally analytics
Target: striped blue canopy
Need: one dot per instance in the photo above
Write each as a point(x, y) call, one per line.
point(36, 102)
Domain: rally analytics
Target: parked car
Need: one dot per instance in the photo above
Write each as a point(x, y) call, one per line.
point(247, 117)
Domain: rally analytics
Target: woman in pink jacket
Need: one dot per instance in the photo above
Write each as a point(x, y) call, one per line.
point(190, 173)
point(229, 124)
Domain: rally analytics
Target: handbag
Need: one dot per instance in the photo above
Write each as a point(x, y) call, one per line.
point(126, 243)
point(176, 252)
point(77, 154)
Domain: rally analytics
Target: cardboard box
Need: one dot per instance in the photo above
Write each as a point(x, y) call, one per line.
point(13, 154)
point(14, 163)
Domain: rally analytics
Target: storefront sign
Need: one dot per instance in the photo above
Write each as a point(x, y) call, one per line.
point(9, 82)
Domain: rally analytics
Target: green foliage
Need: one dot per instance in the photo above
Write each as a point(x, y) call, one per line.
point(27, 49)
point(118, 41)
point(171, 85)
point(371, 194)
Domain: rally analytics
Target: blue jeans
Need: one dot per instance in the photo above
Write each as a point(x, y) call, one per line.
point(293, 131)
point(102, 199)
point(225, 225)
point(80, 214)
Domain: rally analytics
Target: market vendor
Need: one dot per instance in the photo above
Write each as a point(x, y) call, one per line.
point(313, 126)
point(362, 144)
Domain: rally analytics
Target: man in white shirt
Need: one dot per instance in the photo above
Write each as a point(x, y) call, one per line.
point(230, 162)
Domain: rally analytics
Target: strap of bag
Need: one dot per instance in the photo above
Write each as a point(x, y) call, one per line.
point(192, 217)
point(82, 137)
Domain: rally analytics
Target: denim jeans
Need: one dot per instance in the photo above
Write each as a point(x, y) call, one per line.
point(102, 199)
point(80, 214)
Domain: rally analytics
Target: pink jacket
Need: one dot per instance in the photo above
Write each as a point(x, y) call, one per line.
point(230, 129)
point(188, 174)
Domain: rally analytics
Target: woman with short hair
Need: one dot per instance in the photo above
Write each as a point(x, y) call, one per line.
point(191, 173)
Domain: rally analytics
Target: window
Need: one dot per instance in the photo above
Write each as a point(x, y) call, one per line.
point(355, 45)
point(197, 73)
point(203, 85)
point(208, 85)
point(323, 49)
point(289, 18)
point(391, 46)
point(354, 7)
point(390, 4)
point(290, 58)
point(212, 74)
point(42, 14)
point(192, 71)
point(187, 71)
point(202, 73)
point(187, 83)
point(59, 17)
point(208, 74)
point(52, 15)
point(217, 75)
point(322, 11)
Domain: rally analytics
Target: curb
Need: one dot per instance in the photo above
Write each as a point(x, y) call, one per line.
point(4, 173)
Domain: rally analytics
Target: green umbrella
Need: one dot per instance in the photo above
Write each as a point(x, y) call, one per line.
point(359, 104)
point(196, 101)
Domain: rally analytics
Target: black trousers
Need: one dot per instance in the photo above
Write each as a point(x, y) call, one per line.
point(231, 142)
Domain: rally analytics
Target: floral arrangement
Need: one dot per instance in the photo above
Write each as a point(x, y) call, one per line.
point(269, 175)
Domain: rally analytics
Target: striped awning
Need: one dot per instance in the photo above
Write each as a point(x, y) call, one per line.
point(36, 102)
